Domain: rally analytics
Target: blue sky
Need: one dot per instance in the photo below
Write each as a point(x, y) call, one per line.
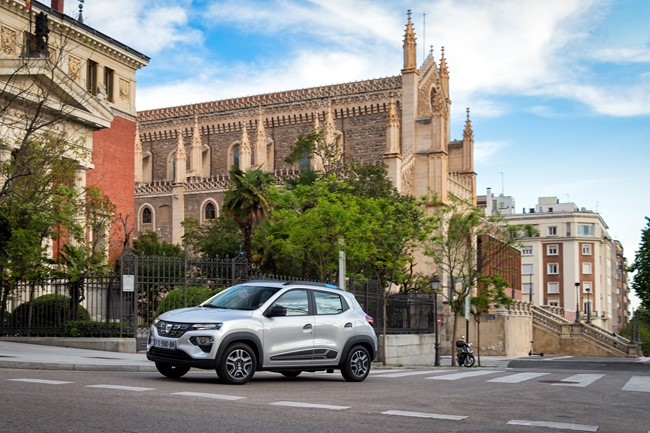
point(559, 90)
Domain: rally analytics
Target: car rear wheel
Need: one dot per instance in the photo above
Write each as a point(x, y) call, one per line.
point(237, 365)
point(172, 371)
point(357, 364)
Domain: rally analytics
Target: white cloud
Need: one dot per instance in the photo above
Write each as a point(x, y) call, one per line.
point(485, 150)
point(611, 100)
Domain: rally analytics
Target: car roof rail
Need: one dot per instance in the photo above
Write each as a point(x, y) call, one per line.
point(313, 283)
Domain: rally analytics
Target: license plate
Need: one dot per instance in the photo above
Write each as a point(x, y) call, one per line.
point(164, 344)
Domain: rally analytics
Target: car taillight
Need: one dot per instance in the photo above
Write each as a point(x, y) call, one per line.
point(370, 320)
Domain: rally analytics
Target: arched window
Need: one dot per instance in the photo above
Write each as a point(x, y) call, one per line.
point(147, 217)
point(235, 155)
point(210, 212)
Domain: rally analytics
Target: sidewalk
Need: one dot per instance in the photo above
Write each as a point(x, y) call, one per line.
point(41, 357)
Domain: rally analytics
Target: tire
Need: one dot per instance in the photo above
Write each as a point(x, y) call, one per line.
point(356, 365)
point(469, 360)
point(171, 371)
point(237, 366)
point(291, 373)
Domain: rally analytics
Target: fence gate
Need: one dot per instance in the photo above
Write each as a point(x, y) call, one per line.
point(152, 285)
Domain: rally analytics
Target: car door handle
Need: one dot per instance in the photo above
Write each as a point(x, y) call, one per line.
point(307, 328)
point(348, 325)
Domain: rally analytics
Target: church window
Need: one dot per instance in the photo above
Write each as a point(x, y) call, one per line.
point(91, 77)
point(210, 212)
point(147, 217)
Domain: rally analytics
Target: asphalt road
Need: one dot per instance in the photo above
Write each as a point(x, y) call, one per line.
point(522, 400)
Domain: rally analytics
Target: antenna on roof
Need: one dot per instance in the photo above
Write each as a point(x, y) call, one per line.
point(424, 35)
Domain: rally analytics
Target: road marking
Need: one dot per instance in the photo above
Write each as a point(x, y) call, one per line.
point(463, 375)
point(207, 395)
point(122, 388)
point(413, 373)
point(558, 425)
point(388, 371)
point(638, 383)
point(424, 415)
point(43, 381)
point(517, 378)
point(579, 380)
point(309, 405)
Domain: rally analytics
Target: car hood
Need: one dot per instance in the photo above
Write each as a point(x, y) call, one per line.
point(203, 315)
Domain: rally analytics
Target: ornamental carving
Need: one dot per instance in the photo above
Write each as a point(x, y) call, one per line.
point(125, 90)
point(74, 68)
point(8, 41)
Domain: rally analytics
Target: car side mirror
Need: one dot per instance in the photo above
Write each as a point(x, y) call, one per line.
point(276, 311)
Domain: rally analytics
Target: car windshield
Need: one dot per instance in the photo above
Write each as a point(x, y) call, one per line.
point(241, 297)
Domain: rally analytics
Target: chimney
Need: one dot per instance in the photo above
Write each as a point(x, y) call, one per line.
point(57, 5)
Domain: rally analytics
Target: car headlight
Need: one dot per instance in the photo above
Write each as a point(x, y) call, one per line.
point(206, 326)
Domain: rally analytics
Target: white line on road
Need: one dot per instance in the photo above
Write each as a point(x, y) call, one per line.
point(43, 381)
point(581, 380)
point(463, 375)
point(557, 425)
point(517, 378)
point(424, 415)
point(638, 383)
point(412, 373)
point(122, 388)
point(309, 405)
point(207, 395)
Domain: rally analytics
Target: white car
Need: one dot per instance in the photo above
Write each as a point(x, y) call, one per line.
point(286, 327)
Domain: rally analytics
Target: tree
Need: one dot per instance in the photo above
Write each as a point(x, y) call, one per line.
point(641, 267)
point(148, 244)
point(245, 202)
point(219, 238)
point(313, 147)
point(453, 248)
point(491, 294)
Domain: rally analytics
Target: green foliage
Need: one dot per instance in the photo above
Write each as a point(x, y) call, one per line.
point(322, 155)
point(188, 297)
point(245, 202)
point(148, 244)
point(491, 293)
point(48, 311)
point(88, 328)
point(219, 238)
point(641, 267)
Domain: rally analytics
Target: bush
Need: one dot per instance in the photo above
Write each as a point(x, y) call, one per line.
point(87, 328)
point(188, 297)
point(48, 311)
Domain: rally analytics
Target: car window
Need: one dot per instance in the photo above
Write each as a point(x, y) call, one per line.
point(241, 297)
point(295, 301)
point(329, 303)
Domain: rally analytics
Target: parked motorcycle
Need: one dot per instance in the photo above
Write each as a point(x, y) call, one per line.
point(464, 353)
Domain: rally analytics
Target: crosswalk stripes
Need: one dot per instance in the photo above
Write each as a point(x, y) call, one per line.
point(638, 383)
point(463, 375)
point(517, 378)
point(580, 380)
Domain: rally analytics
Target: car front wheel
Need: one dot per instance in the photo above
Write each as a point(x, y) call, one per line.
point(357, 364)
point(237, 365)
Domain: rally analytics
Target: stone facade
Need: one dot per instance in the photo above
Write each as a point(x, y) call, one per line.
point(401, 120)
point(92, 91)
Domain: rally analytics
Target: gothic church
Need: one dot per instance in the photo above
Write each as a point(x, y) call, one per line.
point(183, 154)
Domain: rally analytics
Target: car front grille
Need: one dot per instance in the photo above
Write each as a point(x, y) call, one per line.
point(172, 330)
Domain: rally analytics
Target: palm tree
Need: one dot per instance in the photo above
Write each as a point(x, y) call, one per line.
point(245, 201)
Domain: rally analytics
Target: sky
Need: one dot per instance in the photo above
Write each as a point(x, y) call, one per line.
point(558, 90)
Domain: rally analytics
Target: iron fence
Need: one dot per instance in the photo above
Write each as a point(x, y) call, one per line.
point(125, 303)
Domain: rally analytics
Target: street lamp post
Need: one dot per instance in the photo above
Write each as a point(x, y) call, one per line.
point(577, 302)
point(588, 290)
point(435, 285)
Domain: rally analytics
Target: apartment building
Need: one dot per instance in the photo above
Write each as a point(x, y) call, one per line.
point(573, 263)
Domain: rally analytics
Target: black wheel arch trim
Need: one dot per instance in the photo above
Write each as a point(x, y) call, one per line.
point(363, 340)
point(243, 337)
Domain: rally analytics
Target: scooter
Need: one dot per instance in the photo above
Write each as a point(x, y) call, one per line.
point(464, 353)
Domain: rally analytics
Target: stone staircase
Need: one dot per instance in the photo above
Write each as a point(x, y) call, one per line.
point(553, 334)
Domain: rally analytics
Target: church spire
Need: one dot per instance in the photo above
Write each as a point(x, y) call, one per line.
point(468, 133)
point(443, 64)
point(260, 142)
point(196, 157)
point(244, 150)
point(392, 129)
point(409, 47)
point(181, 158)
